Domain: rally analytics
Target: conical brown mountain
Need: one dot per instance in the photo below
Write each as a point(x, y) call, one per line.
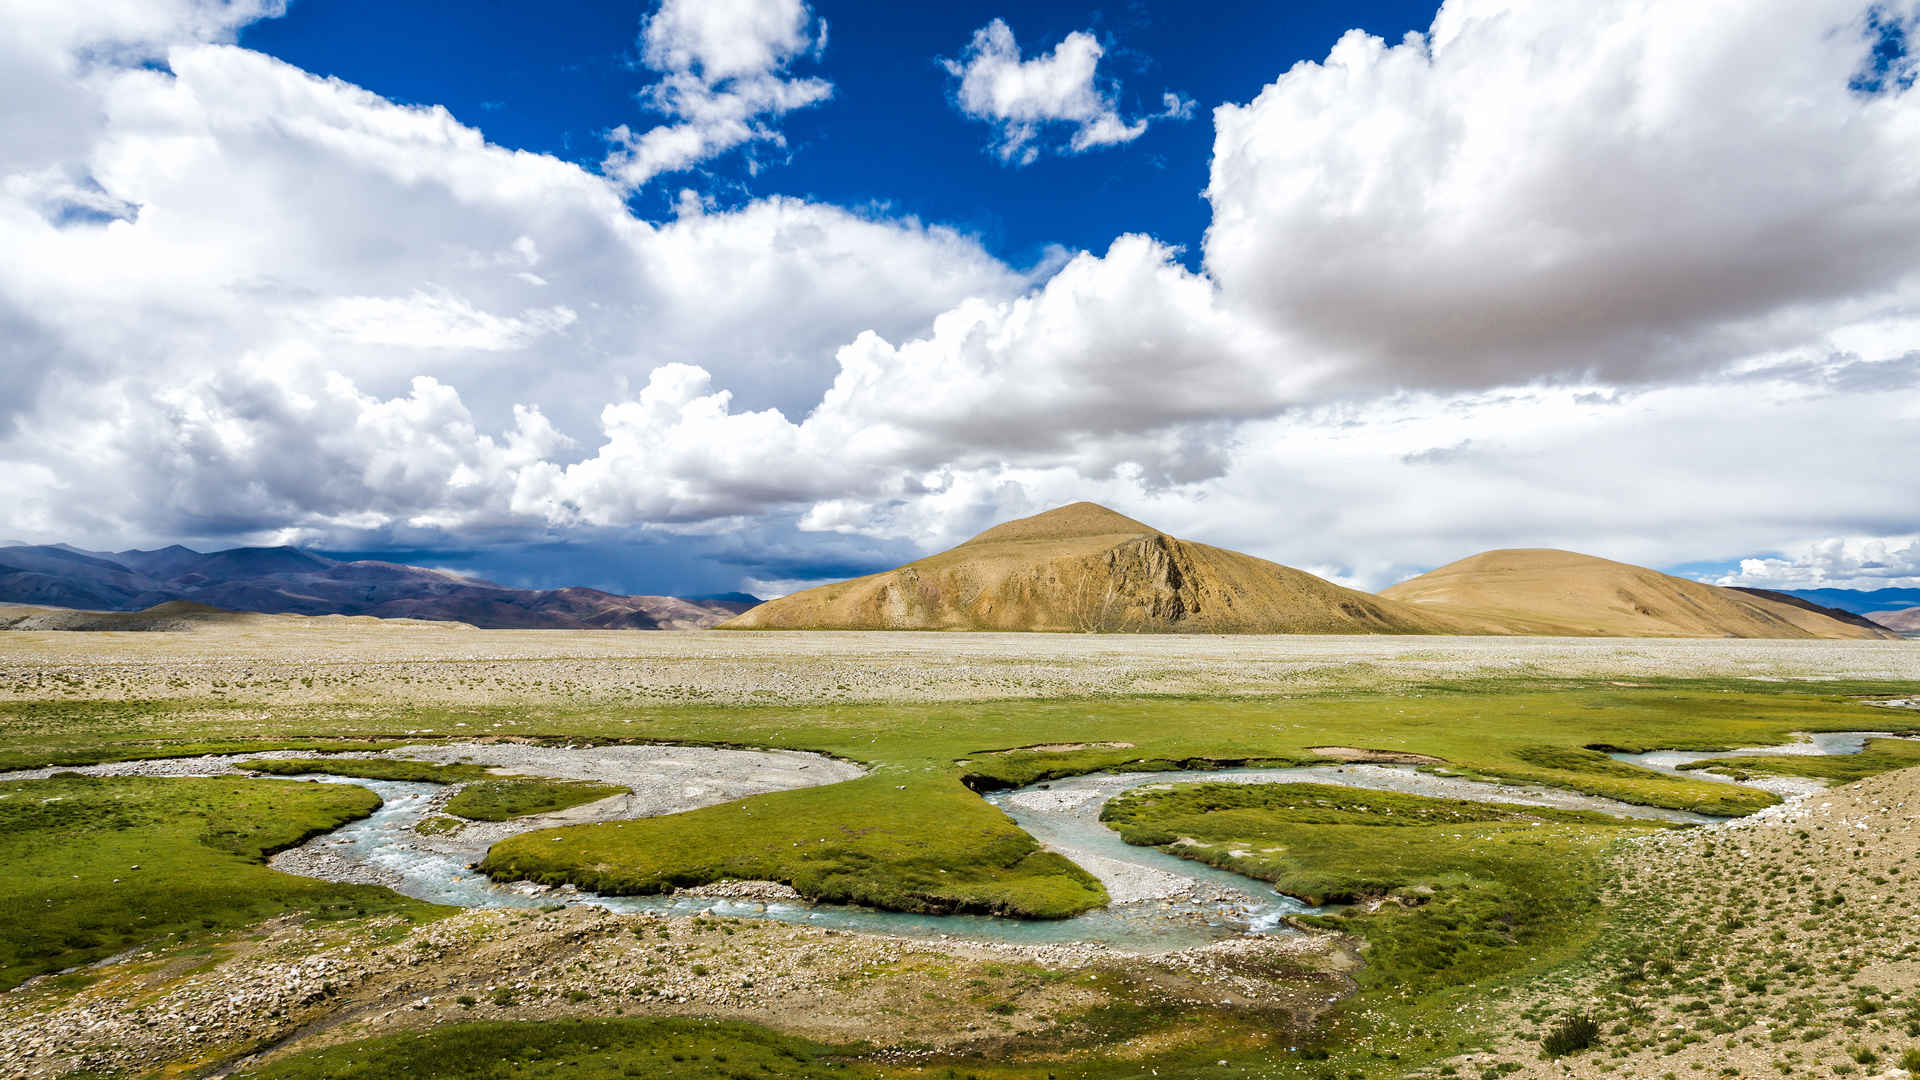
point(1542, 591)
point(1085, 568)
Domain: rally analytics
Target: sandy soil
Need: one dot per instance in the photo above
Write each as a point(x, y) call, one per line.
point(1364, 755)
point(369, 665)
point(1784, 943)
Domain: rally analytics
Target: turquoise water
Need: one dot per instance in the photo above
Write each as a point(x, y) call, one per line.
point(1823, 743)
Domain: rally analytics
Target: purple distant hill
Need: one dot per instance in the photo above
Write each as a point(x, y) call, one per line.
point(287, 580)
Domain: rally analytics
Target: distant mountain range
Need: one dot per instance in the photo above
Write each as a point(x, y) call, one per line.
point(1896, 609)
point(1078, 568)
point(287, 580)
point(1860, 601)
point(1085, 567)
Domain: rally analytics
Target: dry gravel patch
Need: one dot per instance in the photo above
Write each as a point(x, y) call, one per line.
point(289, 985)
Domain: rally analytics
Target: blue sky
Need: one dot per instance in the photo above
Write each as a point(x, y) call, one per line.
point(700, 295)
point(554, 78)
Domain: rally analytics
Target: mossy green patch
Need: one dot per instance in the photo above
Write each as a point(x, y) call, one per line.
point(90, 867)
point(926, 845)
point(661, 1049)
point(1473, 887)
point(438, 825)
point(499, 800)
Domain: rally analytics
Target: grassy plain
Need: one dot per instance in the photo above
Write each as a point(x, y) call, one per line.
point(1335, 845)
point(886, 839)
point(910, 836)
point(90, 867)
point(994, 712)
point(1451, 898)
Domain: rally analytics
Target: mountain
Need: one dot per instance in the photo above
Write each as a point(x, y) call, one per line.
point(287, 580)
point(1540, 591)
point(1084, 568)
point(1795, 600)
point(175, 615)
point(1861, 601)
point(1900, 622)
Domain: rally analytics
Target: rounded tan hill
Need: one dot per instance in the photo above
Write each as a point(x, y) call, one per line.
point(1904, 622)
point(1085, 568)
point(1543, 591)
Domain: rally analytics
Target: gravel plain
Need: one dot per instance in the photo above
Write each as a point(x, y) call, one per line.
point(365, 665)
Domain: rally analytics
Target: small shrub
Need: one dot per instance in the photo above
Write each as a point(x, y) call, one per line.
point(1574, 1033)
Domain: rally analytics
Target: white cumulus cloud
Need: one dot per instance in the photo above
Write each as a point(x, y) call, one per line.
point(724, 78)
point(1057, 90)
point(1622, 276)
point(1627, 188)
point(1851, 562)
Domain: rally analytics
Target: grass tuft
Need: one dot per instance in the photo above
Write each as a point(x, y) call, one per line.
point(1574, 1033)
point(499, 800)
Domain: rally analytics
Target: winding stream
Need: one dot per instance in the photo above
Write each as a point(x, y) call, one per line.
point(1819, 743)
point(1160, 901)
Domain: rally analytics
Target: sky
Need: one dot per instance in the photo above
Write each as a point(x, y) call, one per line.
point(699, 295)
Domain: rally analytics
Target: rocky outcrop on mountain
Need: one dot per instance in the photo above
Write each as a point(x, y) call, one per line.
point(1086, 568)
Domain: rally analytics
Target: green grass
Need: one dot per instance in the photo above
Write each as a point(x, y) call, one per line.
point(929, 845)
point(1476, 898)
point(1475, 886)
point(911, 836)
point(368, 769)
point(499, 800)
point(659, 1049)
point(886, 846)
point(1880, 755)
point(438, 825)
point(90, 867)
point(930, 848)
